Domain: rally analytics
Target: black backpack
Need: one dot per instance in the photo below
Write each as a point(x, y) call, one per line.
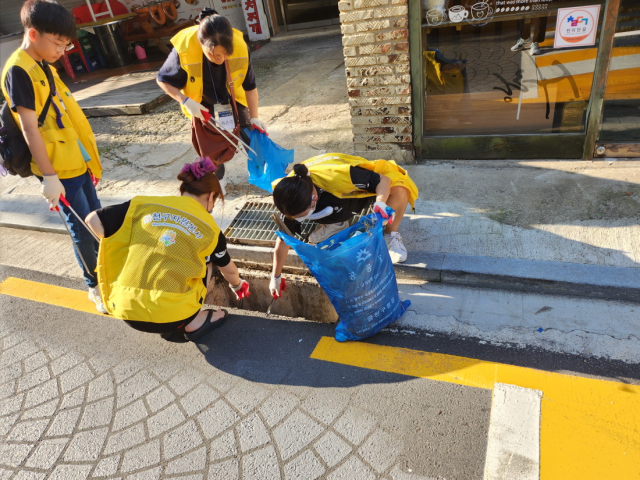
point(14, 152)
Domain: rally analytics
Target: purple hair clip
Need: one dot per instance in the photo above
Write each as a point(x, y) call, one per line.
point(200, 167)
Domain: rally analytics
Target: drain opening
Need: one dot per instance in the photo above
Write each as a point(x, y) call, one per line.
point(254, 225)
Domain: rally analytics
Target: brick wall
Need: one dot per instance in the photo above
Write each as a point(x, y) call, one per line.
point(376, 51)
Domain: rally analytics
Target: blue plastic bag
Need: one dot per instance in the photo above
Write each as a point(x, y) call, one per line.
point(355, 271)
point(270, 163)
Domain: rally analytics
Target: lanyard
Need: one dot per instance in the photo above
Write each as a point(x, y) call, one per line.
point(212, 82)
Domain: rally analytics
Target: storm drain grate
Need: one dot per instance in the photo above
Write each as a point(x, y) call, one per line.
point(253, 225)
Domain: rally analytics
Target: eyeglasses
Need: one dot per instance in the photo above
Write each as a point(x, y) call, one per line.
point(60, 48)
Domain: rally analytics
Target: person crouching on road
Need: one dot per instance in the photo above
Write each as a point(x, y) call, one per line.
point(194, 73)
point(156, 255)
point(330, 189)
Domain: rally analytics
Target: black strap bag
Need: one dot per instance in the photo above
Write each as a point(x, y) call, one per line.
point(15, 156)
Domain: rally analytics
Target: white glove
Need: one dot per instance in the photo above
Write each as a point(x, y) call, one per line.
point(381, 208)
point(52, 188)
point(194, 108)
point(259, 124)
point(276, 286)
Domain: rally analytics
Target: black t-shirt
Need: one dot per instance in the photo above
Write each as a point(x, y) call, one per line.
point(19, 87)
point(343, 208)
point(112, 218)
point(214, 78)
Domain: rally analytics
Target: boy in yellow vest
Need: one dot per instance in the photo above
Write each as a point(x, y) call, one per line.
point(64, 151)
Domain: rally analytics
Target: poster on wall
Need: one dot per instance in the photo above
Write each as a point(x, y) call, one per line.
point(232, 9)
point(577, 27)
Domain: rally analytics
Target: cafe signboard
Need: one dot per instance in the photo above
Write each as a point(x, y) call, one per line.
point(479, 12)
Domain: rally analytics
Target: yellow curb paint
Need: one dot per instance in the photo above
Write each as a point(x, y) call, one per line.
point(590, 429)
point(50, 294)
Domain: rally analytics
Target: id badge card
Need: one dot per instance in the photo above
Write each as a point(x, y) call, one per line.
point(224, 115)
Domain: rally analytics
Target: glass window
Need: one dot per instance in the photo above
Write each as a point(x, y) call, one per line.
point(490, 67)
point(621, 120)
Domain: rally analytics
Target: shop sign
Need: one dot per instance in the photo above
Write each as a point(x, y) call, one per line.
point(577, 27)
point(192, 8)
point(232, 9)
point(257, 26)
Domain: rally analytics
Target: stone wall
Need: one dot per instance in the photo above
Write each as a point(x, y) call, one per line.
point(376, 51)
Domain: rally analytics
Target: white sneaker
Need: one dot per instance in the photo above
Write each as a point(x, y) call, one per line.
point(520, 45)
point(94, 296)
point(534, 49)
point(322, 232)
point(397, 250)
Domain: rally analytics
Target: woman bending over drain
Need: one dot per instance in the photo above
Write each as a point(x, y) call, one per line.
point(330, 189)
point(156, 256)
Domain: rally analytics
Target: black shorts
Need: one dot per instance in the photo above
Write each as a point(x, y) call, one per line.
point(171, 327)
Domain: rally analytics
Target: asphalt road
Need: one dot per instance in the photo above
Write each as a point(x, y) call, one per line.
point(246, 402)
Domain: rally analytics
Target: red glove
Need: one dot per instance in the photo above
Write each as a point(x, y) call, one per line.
point(241, 290)
point(276, 292)
point(55, 208)
point(381, 208)
point(259, 125)
point(94, 179)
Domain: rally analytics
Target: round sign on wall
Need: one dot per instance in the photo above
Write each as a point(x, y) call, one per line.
point(577, 27)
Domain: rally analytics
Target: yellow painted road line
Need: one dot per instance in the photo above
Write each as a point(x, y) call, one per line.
point(590, 429)
point(51, 294)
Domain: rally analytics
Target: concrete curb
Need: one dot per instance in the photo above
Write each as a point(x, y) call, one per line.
point(32, 221)
point(551, 278)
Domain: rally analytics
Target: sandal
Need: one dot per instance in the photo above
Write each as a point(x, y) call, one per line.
point(207, 326)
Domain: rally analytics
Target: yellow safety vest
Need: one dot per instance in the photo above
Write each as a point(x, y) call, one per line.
point(190, 52)
point(151, 269)
point(331, 172)
point(61, 143)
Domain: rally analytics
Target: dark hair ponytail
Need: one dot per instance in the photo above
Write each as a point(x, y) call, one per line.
point(292, 195)
point(215, 30)
point(203, 186)
point(206, 12)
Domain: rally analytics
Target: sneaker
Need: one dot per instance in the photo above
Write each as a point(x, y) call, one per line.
point(223, 184)
point(94, 296)
point(534, 49)
point(397, 250)
point(519, 45)
point(322, 232)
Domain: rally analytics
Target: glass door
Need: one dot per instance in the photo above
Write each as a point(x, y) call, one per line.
point(620, 131)
point(499, 81)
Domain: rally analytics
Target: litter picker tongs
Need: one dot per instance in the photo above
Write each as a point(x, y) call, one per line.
point(211, 120)
point(64, 222)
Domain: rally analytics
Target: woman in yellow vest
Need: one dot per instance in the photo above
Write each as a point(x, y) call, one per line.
point(330, 189)
point(156, 257)
point(194, 74)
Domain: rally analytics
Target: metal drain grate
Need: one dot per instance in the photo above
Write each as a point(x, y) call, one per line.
point(253, 225)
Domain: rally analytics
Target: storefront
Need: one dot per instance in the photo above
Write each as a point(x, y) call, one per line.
point(300, 14)
point(488, 94)
point(509, 78)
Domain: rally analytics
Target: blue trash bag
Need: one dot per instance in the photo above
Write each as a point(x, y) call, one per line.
point(354, 269)
point(270, 163)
